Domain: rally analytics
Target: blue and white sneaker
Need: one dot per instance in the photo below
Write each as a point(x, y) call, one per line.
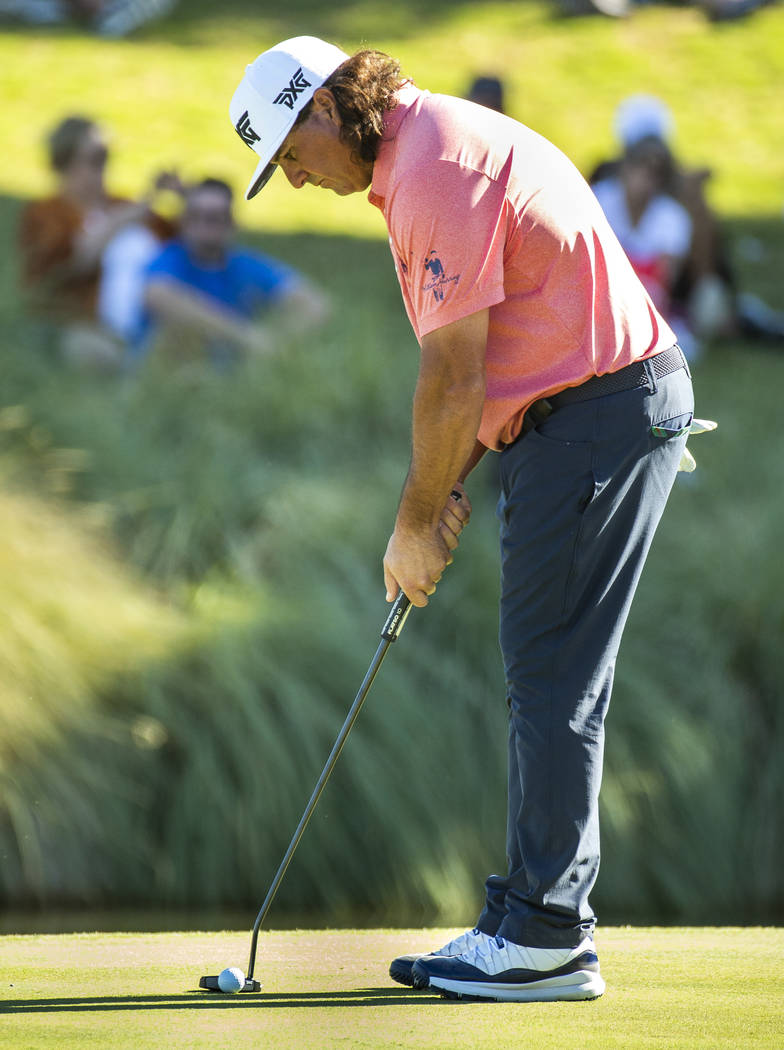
point(401, 969)
point(497, 969)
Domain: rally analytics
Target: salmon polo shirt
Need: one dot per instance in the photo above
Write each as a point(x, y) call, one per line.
point(483, 213)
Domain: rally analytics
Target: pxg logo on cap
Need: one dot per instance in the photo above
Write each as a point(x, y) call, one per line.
point(273, 92)
point(296, 86)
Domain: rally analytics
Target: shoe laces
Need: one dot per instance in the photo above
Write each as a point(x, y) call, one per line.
point(462, 943)
point(482, 954)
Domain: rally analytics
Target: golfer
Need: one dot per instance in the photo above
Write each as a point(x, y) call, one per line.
point(539, 343)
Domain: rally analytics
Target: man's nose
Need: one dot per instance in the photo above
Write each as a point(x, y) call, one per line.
point(296, 176)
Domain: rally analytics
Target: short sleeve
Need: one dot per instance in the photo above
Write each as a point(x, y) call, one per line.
point(265, 280)
point(448, 227)
point(169, 262)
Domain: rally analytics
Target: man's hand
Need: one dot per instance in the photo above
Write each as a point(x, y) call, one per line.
point(414, 563)
point(455, 516)
point(257, 338)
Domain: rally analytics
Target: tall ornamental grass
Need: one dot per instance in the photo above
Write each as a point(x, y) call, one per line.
point(210, 561)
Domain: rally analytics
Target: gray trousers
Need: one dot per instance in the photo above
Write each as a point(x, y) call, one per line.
point(581, 497)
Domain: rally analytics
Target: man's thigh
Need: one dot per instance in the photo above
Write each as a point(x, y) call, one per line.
point(582, 495)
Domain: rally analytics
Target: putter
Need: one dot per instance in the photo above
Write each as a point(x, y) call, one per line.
point(389, 633)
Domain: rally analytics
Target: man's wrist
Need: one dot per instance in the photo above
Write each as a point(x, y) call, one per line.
point(416, 520)
point(258, 337)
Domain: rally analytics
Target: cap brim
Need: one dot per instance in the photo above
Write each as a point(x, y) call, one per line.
point(261, 177)
point(265, 169)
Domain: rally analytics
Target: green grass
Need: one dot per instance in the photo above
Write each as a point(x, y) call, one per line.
point(165, 92)
point(680, 989)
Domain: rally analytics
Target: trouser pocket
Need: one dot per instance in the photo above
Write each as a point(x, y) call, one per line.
point(672, 427)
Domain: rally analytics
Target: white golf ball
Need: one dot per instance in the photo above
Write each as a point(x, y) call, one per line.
point(232, 979)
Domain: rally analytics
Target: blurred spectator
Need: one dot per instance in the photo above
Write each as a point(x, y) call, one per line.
point(111, 18)
point(655, 230)
point(36, 12)
point(715, 10)
point(612, 8)
point(704, 291)
point(487, 91)
point(121, 289)
point(223, 297)
point(62, 239)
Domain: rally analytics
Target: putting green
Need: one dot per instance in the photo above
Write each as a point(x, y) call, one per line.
point(666, 988)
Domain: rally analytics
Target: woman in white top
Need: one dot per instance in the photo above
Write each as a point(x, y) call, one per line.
point(654, 229)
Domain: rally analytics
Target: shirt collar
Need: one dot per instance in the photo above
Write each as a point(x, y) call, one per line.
point(407, 97)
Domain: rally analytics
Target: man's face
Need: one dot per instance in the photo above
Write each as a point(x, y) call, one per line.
point(645, 170)
point(207, 227)
point(313, 152)
point(88, 164)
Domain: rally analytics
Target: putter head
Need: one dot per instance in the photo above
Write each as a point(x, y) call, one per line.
point(210, 984)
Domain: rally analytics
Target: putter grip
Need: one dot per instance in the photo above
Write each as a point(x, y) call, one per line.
point(402, 606)
point(396, 619)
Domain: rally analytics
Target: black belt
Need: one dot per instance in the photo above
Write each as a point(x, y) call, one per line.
point(637, 374)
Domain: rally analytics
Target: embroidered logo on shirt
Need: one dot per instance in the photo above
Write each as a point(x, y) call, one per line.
point(288, 95)
point(440, 279)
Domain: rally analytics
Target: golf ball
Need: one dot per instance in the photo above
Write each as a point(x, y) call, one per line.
point(232, 979)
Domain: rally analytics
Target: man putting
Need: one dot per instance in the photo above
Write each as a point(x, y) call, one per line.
point(538, 342)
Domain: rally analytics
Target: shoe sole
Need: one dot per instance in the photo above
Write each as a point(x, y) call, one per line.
point(572, 987)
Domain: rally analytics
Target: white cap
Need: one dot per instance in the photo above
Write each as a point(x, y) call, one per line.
point(275, 89)
point(641, 116)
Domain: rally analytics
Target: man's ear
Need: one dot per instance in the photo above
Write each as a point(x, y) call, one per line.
point(324, 103)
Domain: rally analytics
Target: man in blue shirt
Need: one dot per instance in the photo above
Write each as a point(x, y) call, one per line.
point(228, 298)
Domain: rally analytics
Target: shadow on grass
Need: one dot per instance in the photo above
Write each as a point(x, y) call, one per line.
point(198, 1000)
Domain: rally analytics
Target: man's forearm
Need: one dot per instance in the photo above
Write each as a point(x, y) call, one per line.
point(89, 246)
point(444, 435)
point(177, 305)
point(448, 405)
point(477, 453)
point(301, 309)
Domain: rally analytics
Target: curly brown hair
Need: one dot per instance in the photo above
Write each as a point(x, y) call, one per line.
point(364, 88)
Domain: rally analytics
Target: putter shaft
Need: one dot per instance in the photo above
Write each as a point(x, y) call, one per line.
point(390, 631)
